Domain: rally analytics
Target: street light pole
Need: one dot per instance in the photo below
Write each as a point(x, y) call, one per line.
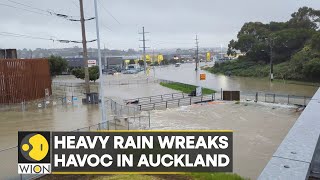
point(102, 107)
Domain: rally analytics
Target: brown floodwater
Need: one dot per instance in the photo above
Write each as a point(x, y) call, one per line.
point(186, 74)
point(261, 128)
point(258, 128)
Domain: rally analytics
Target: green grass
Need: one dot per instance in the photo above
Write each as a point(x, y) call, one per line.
point(127, 177)
point(191, 176)
point(185, 88)
point(216, 176)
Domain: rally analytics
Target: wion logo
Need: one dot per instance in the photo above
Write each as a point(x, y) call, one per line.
point(34, 152)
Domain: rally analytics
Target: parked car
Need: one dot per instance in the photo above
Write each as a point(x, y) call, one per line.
point(130, 71)
point(111, 71)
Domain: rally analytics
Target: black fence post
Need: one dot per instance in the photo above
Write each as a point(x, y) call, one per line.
point(178, 102)
point(274, 98)
point(288, 98)
point(212, 97)
point(221, 94)
point(257, 96)
point(129, 123)
point(190, 100)
point(166, 104)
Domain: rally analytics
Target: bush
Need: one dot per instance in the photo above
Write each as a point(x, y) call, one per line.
point(312, 69)
point(57, 65)
point(93, 73)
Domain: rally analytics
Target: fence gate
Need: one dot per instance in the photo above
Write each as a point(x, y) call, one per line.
point(231, 95)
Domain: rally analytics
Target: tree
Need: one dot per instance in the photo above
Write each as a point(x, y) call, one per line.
point(57, 65)
point(305, 17)
point(315, 41)
point(312, 68)
point(93, 73)
point(78, 73)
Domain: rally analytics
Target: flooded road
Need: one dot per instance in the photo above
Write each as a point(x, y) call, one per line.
point(58, 118)
point(258, 128)
point(186, 74)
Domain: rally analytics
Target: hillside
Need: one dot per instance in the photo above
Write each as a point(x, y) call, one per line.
point(294, 47)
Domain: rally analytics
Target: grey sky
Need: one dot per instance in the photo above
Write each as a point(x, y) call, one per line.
point(171, 23)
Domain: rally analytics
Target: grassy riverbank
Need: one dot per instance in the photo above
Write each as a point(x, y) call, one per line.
point(191, 176)
point(185, 88)
point(282, 72)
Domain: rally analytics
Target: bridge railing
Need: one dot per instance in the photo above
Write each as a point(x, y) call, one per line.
point(298, 156)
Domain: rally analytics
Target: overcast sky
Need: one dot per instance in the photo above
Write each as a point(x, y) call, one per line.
point(171, 23)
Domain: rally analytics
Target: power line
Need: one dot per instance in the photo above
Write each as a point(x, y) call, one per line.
point(23, 36)
point(49, 13)
point(27, 6)
point(41, 38)
point(106, 27)
point(108, 12)
point(23, 9)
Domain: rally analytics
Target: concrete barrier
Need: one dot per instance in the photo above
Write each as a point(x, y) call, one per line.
point(298, 155)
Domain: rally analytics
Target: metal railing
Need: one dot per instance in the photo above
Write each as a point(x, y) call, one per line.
point(176, 102)
point(66, 85)
point(157, 98)
point(262, 96)
point(298, 156)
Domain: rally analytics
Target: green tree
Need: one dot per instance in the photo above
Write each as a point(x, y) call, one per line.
point(315, 41)
point(93, 73)
point(305, 17)
point(312, 69)
point(78, 73)
point(57, 65)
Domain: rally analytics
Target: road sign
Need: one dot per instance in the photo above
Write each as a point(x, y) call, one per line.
point(202, 77)
point(199, 91)
point(92, 63)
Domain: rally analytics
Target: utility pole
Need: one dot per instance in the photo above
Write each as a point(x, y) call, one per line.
point(154, 68)
point(197, 53)
point(85, 53)
point(144, 49)
point(271, 59)
point(102, 107)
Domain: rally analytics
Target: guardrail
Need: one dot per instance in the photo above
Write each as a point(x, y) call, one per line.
point(298, 156)
point(176, 102)
point(157, 98)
